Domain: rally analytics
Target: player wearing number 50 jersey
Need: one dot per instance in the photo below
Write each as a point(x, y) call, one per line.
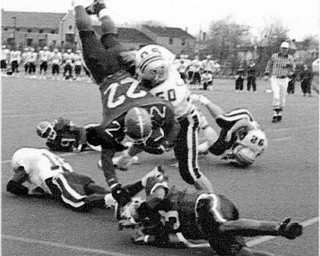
point(128, 108)
point(38, 172)
point(154, 65)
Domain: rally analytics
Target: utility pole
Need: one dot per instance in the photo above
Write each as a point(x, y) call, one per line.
point(14, 30)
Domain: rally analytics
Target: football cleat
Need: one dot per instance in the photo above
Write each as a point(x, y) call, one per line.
point(95, 7)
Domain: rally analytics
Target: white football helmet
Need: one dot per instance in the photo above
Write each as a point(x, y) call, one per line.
point(249, 147)
point(153, 63)
point(46, 130)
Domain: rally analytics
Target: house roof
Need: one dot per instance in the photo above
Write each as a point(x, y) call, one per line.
point(131, 35)
point(32, 19)
point(169, 32)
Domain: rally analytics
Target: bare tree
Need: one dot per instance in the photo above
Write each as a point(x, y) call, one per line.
point(225, 37)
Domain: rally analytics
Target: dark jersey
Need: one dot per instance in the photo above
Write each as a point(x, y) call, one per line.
point(226, 122)
point(185, 202)
point(119, 93)
point(68, 136)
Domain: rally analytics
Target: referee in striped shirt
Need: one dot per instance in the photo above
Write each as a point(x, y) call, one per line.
point(280, 66)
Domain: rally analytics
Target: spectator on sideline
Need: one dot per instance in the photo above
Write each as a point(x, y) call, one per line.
point(251, 76)
point(306, 78)
point(239, 79)
point(315, 73)
point(280, 66)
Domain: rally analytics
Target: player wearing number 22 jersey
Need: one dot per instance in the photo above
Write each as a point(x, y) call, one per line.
point(120, 95)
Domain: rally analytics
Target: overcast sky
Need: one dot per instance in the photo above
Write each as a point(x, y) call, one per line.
point(300, 17)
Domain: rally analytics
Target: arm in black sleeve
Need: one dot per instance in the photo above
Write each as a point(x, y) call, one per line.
point(17, 188)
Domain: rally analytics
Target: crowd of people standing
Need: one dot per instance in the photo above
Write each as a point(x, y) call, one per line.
point(66, 65)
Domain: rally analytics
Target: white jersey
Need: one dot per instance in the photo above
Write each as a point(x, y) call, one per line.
point(56, 57)
point(184, 63)
point(39, 164)
point(175, 91)
point(208, 65)
point(44, 55)
point(68, 58)
point(206, 77)
point(77, 60)
point(5, 54)
point(25, 57)
point(15, 56)
point(33, 57)
point(195, 65)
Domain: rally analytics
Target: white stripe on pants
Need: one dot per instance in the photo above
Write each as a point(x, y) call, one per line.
point(279, 89)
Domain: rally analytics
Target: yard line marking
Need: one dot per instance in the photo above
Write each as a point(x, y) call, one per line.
point(62, 155)
point(64, 246)
point(263, 239)
point(281, 139)
point(292, 128)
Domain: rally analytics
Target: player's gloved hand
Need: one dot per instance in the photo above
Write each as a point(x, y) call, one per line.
point(290, 230)
point(121, 195)
point(199, 98)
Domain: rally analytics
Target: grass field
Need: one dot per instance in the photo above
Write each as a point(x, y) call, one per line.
point(282, 183)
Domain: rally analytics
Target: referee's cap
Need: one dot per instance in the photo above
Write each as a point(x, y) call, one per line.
point(285, 45)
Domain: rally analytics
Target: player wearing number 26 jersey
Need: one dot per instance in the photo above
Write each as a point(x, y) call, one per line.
point(120, 94)
point(38, 172)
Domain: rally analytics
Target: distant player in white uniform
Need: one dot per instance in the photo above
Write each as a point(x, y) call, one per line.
point(77, 64)
point(241, 139)
point(15, 59)
point(154, 64)
point(194, 72)
point(44, 56)
point(33, 61)
point(38, 172)
point(4, 60)
point(25, 57)
point(68, 60)
point(56, 60)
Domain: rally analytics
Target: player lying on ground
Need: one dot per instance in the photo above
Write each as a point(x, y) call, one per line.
point(63, 135)
point(39, 172)
point(241, 139)
point(171, 217)
point(128, 109)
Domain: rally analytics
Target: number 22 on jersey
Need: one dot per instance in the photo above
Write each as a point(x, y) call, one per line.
point(122, 91)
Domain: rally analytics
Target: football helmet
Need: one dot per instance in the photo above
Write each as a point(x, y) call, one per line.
point(249, 146)
point(138, 124)
point(153, 63)
point(46, 130)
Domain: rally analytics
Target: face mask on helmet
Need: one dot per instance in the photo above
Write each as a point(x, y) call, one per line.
point(138, 124)
point(155, 182)
point(130, 210)
point(45, 130)
point(154, 68)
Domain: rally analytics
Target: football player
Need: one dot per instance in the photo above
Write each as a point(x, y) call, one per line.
point(170, 217)
point(241, 139)
point(128, 108)
point(39, 172)
point(155, 67)
point(63, 135)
